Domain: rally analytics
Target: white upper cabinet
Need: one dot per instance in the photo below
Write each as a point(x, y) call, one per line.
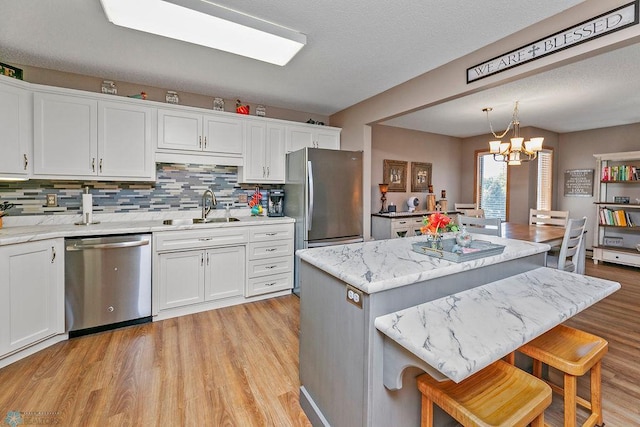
point(313, 136)
point(86, 138)
point(265, 152)
point(189, 132)
point(125, 141)
point(15, 125)
point(65, 135)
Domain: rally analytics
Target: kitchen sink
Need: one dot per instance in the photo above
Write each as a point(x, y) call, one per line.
point(189, 221)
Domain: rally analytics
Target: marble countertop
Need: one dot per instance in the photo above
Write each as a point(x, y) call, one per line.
point(380, 265)
point(460, 334)
point(53, 226)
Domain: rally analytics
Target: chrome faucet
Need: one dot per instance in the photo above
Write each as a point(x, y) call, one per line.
point(206, 209)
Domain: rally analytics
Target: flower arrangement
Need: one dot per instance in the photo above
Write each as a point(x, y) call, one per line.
point(437, 223)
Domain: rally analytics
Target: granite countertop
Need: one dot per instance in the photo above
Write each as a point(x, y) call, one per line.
point(379, 265)
point(460, 334)
point(409, 214)
point(55, 226)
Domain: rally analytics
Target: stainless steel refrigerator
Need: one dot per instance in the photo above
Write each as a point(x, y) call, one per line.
point(323, 192)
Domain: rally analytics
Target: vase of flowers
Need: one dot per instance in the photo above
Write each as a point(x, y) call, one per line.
point(435, 225)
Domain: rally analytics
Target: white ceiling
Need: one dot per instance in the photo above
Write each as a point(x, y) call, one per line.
point(355, 49)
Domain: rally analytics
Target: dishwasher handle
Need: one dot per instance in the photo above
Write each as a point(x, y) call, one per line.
point(116, 245)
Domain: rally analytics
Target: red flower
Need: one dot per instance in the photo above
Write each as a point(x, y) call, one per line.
point(435, 223)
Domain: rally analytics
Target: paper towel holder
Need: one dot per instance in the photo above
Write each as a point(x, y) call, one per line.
point(86, 216)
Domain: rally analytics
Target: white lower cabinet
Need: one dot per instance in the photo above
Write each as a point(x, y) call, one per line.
point(32, 289)
point(197, 266)
point(195, 276)
point(270, 259)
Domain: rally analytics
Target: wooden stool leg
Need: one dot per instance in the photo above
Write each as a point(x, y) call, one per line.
point(538, 421)
point(570, 390)
point(596, 391)
point(510, 358)
point(427, 412)
point(537, 368)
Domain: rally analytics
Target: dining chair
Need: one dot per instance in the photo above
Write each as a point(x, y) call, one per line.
point(568, 257)
point(472, 224)
point(461, 206)
point(543, 217)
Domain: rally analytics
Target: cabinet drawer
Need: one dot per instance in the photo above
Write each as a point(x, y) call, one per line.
point(266, 284)
point(197, 239)
point(620, 257)
point(271, 232)
point(268, 266)
point(263, 250)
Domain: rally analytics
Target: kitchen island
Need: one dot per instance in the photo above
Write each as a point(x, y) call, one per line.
point(344, 289)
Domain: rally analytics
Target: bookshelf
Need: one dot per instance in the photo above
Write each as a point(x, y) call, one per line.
point(617, 229)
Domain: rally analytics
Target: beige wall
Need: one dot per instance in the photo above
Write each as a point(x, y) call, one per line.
point(443, 152)
point(449, 82)
point(93, 84)
point(576, 151)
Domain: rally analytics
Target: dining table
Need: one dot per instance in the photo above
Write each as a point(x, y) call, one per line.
point(549, 234)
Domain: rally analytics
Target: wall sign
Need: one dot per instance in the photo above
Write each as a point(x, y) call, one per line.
point(578, 182)
point(606, 23)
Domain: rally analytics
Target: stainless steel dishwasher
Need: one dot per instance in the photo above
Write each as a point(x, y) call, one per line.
point(107, 282)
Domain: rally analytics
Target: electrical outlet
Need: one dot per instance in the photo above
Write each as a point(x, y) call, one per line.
point(52, 200)
point(354, 296)
point(242, 198)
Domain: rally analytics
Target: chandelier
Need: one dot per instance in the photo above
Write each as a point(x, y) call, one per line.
point(517, 150)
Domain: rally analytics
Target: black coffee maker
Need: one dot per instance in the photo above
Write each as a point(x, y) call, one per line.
point(275, 202)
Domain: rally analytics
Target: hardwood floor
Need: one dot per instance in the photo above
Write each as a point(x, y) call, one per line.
point(238, 366)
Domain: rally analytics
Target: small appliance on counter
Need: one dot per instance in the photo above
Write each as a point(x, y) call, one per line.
point(275, 202)
point(391, 208)
point(413, 203)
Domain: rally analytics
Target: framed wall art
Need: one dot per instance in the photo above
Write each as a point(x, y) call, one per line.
point(394, 173)
point(420, 176)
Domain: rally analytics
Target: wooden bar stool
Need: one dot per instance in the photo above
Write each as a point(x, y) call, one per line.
point(574, 352)
point(498, 395)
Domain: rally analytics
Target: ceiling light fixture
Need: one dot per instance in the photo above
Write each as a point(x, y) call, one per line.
point(517, 150)
point(208, 24)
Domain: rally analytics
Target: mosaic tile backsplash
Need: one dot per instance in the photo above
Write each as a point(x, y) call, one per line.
point(177, 187)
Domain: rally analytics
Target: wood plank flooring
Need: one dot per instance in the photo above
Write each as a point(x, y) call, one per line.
point(238, 366)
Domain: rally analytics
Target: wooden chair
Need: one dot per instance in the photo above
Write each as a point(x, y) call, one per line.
point(540, 217)
point(476, 213)
point(567, 259)
point(461, 206)
point(489, 226)
point(574, 353)
point(469, 209)
point(498, 395)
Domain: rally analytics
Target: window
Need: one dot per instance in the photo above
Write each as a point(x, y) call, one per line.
point(544, 192)
point(491, 190)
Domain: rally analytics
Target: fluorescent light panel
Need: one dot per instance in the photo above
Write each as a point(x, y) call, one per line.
point(207, 24)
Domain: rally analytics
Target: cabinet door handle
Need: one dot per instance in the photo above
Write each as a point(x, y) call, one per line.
point(205, 142)
point(200, 141)
point(263, 172)
point(26, 162)
point(271, 234)
point(268, 171)
point(100, 166)
point(269, 267)
point(204, 239)
point(53, 254)
point(207, 258)
point(270, 249)
point(93, 164)
point(201, 260)
point(270, 284)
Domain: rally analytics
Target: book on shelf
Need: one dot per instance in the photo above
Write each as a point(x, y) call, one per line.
point(620, 173)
